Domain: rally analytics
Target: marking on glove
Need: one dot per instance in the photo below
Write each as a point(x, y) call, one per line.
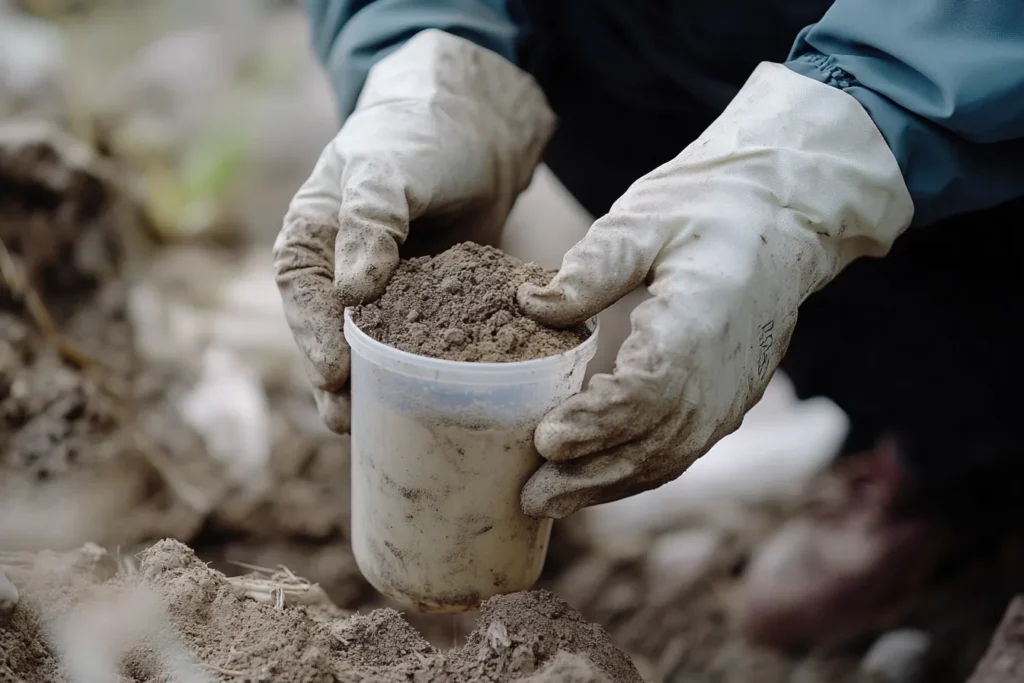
point(765, 340)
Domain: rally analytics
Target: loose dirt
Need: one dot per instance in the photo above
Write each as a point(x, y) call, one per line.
point(57, 249)
point(460, 305)
point(85, 429)
point(167, 616)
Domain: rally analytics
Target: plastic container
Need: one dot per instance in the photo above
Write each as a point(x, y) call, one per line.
point(440, 452)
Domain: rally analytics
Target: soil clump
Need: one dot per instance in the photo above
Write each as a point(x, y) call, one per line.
point(461, 305)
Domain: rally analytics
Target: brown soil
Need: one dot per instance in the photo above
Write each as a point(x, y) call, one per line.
point(461, 305)
point(54, 231)
point(85, 431)
point(170, 614)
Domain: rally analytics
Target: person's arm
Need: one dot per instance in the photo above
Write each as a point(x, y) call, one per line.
point(943, 81)
point(350, 36)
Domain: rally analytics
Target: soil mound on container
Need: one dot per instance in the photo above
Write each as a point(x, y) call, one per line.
point(461, 305)
point(167, 616)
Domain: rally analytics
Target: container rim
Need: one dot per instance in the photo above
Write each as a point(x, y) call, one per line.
point(467, 372)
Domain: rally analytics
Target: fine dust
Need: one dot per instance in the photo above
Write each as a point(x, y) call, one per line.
point(461, 305)
point(196, 621)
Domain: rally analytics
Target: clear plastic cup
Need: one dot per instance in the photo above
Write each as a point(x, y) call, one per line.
point(440, 453)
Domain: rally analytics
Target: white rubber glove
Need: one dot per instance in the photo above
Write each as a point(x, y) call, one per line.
point(445, 133)
point(786, 188)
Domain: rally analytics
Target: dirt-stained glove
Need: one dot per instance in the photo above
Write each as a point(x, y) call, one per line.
point(445, 133)
point(786, 188)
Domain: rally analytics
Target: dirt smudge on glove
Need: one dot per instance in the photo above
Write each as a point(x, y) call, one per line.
point(461, 305)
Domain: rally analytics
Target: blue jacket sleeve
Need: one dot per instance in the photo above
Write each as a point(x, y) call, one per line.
point(350, 36)
point(944, 82)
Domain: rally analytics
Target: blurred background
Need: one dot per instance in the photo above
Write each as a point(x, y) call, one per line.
point(149, 387)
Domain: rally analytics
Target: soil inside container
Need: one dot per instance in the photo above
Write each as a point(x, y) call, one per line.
point(461, 305)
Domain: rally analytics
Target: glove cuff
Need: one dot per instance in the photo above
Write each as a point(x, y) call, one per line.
point(836, 187)
point(454, 74)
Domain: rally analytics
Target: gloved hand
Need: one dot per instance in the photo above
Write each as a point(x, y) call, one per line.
point(445, 133)
point(781, 192)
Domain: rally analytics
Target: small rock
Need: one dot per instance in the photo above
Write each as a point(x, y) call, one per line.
point(896, 657)
point(451, 285)
point(454, 337)
point(412, 316)
point(507, 339)
point(8, 595)
point(417, 331)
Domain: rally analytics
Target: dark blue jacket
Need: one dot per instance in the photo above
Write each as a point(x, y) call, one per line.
point(634, 81)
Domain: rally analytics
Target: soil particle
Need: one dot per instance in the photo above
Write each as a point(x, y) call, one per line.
point(461, 305)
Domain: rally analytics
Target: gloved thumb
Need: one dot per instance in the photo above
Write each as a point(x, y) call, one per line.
point(606, 265)
point(372, 221)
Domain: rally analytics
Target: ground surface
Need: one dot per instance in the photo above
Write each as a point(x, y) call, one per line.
point(168, 616)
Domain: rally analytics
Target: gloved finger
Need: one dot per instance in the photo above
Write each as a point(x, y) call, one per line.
point(304, 265)
point(335, 410)
point(612, 260)
point(559, 489)
point(373, 220)
point(303, 260)
point(643, 391)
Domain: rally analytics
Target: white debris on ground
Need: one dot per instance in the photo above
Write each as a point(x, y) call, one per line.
point(782, 443)
point(228, 408)
point(193, 299)
point(897, 657)
point(221, 320)
point(678, 560)
point(32, 64)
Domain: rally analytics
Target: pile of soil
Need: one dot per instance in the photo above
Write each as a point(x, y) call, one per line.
point(170, 617)
point(72, 393)
point(461, 305)
point(60, 252)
